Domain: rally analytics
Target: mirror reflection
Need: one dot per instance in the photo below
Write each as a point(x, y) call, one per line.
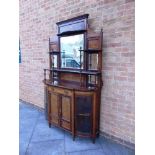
point(70, 54)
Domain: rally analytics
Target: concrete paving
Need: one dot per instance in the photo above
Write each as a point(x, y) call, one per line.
point(36, 138)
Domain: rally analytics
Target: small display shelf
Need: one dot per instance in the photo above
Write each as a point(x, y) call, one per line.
point(76, 71)
point(92, 50)
point(54, 52)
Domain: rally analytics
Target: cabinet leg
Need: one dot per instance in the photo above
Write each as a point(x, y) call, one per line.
point(49, 124)
point(93, 140)
point(73, 138)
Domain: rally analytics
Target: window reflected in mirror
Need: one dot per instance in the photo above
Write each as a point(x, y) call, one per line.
point(93, 61)
point(71, 57)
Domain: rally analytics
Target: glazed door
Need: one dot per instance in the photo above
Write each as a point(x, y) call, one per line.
point(54, 108)
point(83, 113)
point(65, 117)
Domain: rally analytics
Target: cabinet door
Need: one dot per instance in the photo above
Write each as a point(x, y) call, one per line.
point(83, 113)
point(54, 108)
point(66, 112)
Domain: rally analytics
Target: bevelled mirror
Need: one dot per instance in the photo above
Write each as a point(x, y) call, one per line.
point(71, 57)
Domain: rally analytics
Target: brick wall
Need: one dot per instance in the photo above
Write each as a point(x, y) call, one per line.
point(116, 17)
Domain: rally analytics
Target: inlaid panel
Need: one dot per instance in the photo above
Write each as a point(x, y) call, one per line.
point(66, 111)
point(73, 25)
point(53, 46)
point(94, 43)
point(54, 108)
point(70, 77)
point(60, 91)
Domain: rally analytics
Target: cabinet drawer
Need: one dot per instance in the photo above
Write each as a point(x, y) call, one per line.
point(60, 91)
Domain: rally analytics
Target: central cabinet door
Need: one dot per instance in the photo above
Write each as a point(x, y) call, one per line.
point(60, 108)
point(65, 112)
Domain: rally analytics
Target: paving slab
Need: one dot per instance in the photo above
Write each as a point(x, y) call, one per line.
point(55, 147)
point(88, 152)
point(43, 133)
point(79, 144)
point(111, 148)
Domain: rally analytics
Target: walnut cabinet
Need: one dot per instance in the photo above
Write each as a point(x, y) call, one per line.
point(73, 81)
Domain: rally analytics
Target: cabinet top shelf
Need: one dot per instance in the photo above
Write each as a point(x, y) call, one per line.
point(91, 50)
point(54, 52)
point(69, 86)
point(76, 71)
point(87, 50)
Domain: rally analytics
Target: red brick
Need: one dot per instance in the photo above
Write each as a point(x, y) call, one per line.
point(120, 78)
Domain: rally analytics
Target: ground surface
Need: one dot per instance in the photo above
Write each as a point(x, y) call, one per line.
point(36, 138)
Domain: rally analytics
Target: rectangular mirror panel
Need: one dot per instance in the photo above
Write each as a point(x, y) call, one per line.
point(70, 54)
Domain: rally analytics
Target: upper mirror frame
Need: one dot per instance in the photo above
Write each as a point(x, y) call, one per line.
point(72, 27)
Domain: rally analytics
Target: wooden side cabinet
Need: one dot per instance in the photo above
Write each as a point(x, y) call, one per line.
point(73, 81)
